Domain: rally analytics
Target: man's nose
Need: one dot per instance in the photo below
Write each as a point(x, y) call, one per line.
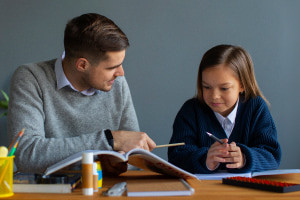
point(120, 71)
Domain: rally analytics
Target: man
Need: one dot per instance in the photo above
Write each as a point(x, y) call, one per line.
point(78, 102)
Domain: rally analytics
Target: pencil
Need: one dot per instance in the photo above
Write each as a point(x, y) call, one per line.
point(170, 145)
point(11, 153)
point(12, 147)
point(215, 138)
point(16, 138)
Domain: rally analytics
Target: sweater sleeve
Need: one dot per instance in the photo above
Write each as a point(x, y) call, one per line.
point(263, 151)
point(191, 156)
point(35, 151)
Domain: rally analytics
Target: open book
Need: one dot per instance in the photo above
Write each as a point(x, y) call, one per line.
point(220, 175)
point(137, 157)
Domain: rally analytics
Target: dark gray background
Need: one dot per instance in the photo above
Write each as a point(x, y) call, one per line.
point(168, 39)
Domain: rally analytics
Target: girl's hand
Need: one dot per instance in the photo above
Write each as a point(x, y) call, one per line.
point(216, 154)
point(234, 158)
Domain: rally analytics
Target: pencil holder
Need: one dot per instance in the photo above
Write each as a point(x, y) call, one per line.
point(6, 176)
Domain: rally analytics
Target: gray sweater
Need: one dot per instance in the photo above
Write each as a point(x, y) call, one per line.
point(62, 122)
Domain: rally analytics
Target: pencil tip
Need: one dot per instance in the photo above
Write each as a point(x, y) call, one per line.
point(22, 132)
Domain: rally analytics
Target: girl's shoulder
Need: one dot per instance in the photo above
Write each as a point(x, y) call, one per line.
point(253, 105)
point(194, 105)
point(255, 102)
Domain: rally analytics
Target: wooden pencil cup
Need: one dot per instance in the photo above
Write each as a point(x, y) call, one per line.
point(6, 176)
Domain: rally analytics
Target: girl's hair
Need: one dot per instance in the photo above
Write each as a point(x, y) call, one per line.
point(239, 61)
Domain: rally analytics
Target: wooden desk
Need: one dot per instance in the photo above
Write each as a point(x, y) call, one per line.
point(204, 189)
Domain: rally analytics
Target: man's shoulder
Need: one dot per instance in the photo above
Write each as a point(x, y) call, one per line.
point(38, 67)
point(120, 84)
point(40, 72)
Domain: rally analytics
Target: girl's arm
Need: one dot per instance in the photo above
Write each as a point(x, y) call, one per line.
point(262, 151)
point(191, 156)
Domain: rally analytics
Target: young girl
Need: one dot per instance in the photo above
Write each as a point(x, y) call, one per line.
point(230, 106)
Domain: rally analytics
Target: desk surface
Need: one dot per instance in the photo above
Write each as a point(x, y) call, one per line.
point(204, 189)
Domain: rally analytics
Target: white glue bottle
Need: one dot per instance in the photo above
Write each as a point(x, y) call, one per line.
point(87, 173)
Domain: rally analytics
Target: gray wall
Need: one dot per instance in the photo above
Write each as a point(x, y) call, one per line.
point(168, 39)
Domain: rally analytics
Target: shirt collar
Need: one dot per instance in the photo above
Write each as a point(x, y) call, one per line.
point(231, 117)
point(62, 80)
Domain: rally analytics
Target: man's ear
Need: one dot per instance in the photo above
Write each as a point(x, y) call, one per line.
point(82, 64)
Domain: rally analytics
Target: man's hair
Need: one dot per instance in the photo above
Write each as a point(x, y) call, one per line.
point(92, 35)
point(239, 60)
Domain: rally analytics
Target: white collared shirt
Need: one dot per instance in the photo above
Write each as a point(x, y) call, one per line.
point(228, 122)
point(62, 80)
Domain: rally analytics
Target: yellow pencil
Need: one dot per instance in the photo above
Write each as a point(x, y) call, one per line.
point(170, 145)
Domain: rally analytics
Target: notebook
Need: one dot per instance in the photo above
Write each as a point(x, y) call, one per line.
point(158, 187)
point(221, 175)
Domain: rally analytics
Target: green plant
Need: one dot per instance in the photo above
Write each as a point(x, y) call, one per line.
point(4, 103)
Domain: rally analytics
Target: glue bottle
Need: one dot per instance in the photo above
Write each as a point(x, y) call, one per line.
point(99, 170)
point(87, 173)
point(95, 177)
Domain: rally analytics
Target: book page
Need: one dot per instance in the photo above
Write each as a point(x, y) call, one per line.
point(116, 157)
point(148, 161)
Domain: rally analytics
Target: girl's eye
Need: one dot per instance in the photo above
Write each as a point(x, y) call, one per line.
point(205, 87)
point(224, 89)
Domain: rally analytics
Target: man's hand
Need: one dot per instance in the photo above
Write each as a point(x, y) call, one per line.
point(127, 140)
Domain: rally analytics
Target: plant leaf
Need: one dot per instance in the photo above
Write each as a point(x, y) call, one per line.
point(5, 95)
point(4, 104)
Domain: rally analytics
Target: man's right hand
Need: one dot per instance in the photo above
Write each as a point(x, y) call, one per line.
point(127, 140)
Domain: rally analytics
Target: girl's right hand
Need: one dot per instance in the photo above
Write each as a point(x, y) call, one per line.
point(216, 154)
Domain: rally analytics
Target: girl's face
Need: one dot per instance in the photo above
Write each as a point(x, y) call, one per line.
point(221, 88)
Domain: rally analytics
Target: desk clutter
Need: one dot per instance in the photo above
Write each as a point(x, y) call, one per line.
point(262, 184)
point(54, 183)
point(6, 166)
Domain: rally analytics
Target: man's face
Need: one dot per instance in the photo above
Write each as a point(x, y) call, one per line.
point(101, 76)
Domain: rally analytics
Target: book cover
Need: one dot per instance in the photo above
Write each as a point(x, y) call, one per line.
point(158, 187)
point(36, 183)
point(137, 157)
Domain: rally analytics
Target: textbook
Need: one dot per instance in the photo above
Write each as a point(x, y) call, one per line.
point(140, 158)
point(36, 183)
point(158, 187)
point(221, 175)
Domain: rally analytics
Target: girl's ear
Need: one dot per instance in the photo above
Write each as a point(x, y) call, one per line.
point(82, 64)
point(242, 90)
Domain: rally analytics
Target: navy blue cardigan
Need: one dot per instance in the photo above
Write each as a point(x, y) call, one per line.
point(254, 132)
